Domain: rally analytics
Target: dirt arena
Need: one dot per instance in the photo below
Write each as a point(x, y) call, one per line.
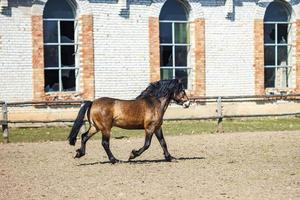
point(210, 166)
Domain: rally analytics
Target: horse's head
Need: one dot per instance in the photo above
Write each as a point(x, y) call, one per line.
point(172, 89)
point(179, 95)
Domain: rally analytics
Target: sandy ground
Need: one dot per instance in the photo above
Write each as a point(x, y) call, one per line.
point(220, 166)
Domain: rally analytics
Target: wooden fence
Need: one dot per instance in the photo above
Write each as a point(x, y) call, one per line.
point(218, 115)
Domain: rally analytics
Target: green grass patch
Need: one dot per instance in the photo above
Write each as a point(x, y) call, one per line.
point(169, 127)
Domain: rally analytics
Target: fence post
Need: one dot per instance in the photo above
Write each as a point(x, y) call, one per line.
point(220, 116)
point(5, 123)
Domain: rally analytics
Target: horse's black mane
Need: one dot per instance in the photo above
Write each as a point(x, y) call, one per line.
point(161, 88)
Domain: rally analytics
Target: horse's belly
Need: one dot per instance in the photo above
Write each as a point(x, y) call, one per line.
point(134, 126)
point(128, 124)
point(129, 115)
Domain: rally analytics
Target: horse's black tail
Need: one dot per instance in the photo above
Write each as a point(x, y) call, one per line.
point(78, 122)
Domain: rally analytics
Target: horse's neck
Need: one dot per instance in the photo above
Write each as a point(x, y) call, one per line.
point(165, 101)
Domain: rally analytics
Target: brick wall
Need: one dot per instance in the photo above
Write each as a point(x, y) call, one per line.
point(87, 57)
point(37, 58)
point(199, 74)
point(259, 56)
point(154, 58)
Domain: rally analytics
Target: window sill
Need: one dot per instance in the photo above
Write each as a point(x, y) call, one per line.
point(279, 91)
point(62, 96)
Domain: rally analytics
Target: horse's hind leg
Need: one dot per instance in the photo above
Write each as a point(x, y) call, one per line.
point(84, 138)
point(105, 144)
point(136, 153)
point(159, 135)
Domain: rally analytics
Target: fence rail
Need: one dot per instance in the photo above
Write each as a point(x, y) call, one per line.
point(219, 115)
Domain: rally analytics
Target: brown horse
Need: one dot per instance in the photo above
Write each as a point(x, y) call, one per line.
point(146, 112)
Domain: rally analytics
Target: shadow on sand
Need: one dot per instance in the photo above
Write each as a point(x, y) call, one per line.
point(145, 161)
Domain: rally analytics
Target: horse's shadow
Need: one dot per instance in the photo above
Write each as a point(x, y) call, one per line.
point(144, 161)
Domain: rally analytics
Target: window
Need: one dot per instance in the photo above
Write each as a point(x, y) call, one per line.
point(174, 42)
point(277, 46)
point(61, 69)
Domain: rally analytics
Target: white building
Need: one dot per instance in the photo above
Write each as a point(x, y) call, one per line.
point(83, 49)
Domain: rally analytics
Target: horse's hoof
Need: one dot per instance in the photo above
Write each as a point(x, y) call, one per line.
point(78, 154)
point(114, 161)
point(170, 158)
point(132, 155)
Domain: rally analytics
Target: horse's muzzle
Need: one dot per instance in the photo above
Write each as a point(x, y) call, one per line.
point(186, 104)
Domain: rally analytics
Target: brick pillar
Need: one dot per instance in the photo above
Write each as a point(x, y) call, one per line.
point(297, 90)
point(154, 49)
point(37, 58)
point(259, 57)
point(87, 56)
point(199, 89)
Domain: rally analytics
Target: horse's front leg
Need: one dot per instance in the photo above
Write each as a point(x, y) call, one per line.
point(159, 135)
point(136, 153)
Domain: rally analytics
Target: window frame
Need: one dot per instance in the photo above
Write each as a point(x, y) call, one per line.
point(59, 44)
point(188, 67)
point(288, 45)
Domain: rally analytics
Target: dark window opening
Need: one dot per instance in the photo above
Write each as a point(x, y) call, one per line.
point(50, 32)
point(269, 77)
point(68, 80)
point(166, 58)
point(67, 31)
point(269, 55)
point(173, 10)
point(165, 30)
point(51, 56)
point(59, 9)
point(181, 56)
point(269, 32)
point(174, 42)
point(59, 46)
point(51, 80)
point(277, 45)
point(67, 56)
